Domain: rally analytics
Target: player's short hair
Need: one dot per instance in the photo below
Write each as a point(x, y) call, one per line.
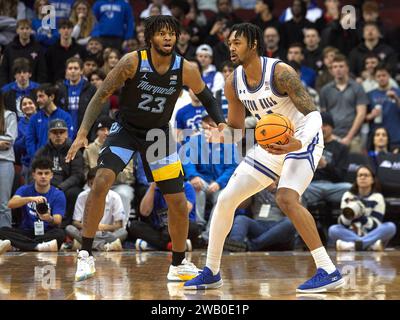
point(340, 58)
point(154, 24)
point(73, 60)
point(252, 33)
point(42, 163)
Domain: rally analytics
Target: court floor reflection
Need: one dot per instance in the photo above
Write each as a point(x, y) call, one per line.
point(142, 275)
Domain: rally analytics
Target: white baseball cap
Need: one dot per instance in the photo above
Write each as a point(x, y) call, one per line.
point(205, 48)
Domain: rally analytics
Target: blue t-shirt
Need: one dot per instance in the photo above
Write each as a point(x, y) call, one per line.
point(189, 117)
point(74, 92)
point(55, 199)
point(159, 216)
point(390, 112)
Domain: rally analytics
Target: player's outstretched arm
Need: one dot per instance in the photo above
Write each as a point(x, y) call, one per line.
point(192, 79)
point(125, 69)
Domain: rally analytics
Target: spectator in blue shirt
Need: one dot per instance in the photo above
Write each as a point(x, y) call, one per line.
point(384, 108)
point(37, 135)
point(22, 86)
point(208, 165)
point(115, 22)
point(188, 118)
point(28, 107)
point(75, 92)
point(62, 8)
point(43, 207)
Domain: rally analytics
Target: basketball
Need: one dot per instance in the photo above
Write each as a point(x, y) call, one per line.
point(271, 128)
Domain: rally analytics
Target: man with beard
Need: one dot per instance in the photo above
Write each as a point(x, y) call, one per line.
point(151, 81)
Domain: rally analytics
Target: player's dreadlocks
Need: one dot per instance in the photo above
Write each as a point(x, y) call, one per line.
point(252, 33)
point(156, 23)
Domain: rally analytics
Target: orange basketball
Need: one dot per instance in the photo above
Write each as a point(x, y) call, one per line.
point(271, 128)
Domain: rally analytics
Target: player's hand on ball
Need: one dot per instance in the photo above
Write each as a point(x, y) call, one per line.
point(293, 145)
point(79, 142)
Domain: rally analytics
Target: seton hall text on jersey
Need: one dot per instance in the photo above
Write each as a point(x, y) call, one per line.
point(146, 86)
point(265, 103)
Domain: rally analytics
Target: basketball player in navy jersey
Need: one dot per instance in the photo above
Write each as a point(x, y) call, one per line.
point(151, 81)
point(265, 85)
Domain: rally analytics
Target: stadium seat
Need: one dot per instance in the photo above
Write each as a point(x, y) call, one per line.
point(389, 174)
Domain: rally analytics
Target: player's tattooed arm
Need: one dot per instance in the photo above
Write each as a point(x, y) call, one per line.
point(287, 81)
point(125, 69)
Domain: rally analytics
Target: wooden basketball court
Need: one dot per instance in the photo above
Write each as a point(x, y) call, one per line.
point(142, 275)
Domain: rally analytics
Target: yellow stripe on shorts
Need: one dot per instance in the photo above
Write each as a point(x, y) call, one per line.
point(170, 171)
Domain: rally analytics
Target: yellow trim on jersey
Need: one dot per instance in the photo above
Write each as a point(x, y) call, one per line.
point(170, 171)
point(143, 54)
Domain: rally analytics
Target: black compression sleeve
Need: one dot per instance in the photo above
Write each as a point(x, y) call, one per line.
point(211, 105)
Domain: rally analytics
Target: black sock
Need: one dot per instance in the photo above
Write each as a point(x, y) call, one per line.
point(87, 244)
point(177, 258)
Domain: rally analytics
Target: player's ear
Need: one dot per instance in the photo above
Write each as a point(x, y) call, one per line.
point(254, 45)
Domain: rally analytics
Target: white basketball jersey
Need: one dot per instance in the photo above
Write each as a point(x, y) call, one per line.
point(265, 99)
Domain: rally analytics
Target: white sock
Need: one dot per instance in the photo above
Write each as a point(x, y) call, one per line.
point(322, 260)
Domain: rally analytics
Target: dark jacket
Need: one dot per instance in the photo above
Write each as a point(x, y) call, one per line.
point(86, 95)
point(33, 51)
point(66, 175)
point(384, 52)
point(343, 39)
point(294, 32)
point(56, 56)
point(313, 59)
point(337, 157)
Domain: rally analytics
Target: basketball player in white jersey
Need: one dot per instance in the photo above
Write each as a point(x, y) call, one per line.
point(264, 85)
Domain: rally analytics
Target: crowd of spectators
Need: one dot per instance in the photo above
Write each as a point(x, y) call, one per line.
point(49, 75)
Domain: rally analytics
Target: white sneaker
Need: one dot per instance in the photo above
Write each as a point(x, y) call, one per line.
point(49, 246)
point(113, 246)
point(142, 245)
point(185, 271)
point(85, 268)
point(345, 245)
point(5, 245)
point(377, 246)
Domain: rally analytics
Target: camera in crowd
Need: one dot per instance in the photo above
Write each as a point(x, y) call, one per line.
point(354, 209)
point(42, 208)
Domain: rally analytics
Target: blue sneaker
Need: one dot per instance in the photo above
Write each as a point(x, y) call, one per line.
point(322, 282)
point(205, 280)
